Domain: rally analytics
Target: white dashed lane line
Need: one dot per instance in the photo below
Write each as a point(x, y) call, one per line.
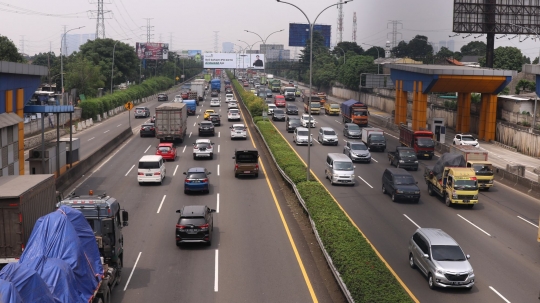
point(174, 174)
point(91, 139)
point(106, 131)
point(130, 170)
point(184, 148)
point(147, 148)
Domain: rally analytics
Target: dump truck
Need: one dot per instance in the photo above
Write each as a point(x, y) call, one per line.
point(171, 122)
point(451, 180)
point(354, 111)
point(374, 138)
point(477, 160)
point(420, 140)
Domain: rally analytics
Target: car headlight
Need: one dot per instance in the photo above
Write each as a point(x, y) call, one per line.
point(417, 192)
point(401, 161)
point(490, 181)
point(368, 155)
point(454, 195)
point(335, 175)
point(471, 271)
point(416, 162)
point(440, 271)
point(399, 191)
point(475, 197)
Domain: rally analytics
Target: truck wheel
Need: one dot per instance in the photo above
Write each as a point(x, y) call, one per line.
point(430, 190)
point(119, 271)
point(447, 201)
point(383, 190)
point(430, 157)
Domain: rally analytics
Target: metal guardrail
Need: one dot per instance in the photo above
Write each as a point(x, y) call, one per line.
point(329, 260)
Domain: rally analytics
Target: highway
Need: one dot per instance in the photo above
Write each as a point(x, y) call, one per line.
point(499, 233)
point(258, 253)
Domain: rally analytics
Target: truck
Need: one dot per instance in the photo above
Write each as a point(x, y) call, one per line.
point(451, 180)
point(171, 122)
point(215, 85)
point(191, 106)
point(403, 157)
point(323, 97)
point(198, 86)
point(374, 138)
point(289, 93)
point(420, 140)
point(315, 104)
point(275, 85)
point(23, 199)
point(354, 111)
point(246, 163)
point(477, 160)
point(207, 77)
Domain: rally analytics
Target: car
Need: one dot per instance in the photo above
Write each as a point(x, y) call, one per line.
point(207, 113)
point(461, 139)
point(178, 98)
point(203, 148)
point(441, 259)
point(300, 136)
point(271, 108)
point(229, 97)
point(270, 96)
point(215, 102)
point(238, 131)
point(215, 118)
point(254, 91)
point(351, 130)
point(185, 95)
point(257, 85)
point(290, 82)
point(196, 180)
point(278, 115)
point(206, 128)
point(305, 121)
point(279, 101)
point(339, 169)
point(147, 130)
point(232, 104)
point(166, 150)
point(357, 151)
point(246, 84)
point(214, 93)
point(261, 95)
point(162, 97)
point(151, 169)
point(233, 114)
point(195, 225)
point(291, 109)
point(142, 112)
point(400, 185)
point(327, 135)
point(228, 90)
point(246, 163)
point(291, 123)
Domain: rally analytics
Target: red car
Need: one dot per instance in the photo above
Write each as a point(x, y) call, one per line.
point(246, 84)
point(279, 101)
point(167, 151)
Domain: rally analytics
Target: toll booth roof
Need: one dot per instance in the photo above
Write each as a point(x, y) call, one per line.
point(434, 69)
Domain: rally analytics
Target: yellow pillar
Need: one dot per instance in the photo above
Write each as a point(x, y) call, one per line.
point(403, 107)
point(459, 112)
point(483, 117)
point(414, 106)
point(397, 104)
point(421, 108)
point(20, 113)
point(466, 113)
point(491, 117)
point(9, 101)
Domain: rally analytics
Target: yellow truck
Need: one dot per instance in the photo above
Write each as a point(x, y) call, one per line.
point(452, 181)
point(477, 160)
point(332, 108)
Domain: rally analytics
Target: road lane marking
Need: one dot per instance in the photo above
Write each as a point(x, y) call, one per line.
point(218, 169)
point(474, 225)
point(412, 221)
point(217, 207)
point(194, 123)
point(118, 125)
point(216, 272)
point(106, 131)
point(365, 182)
point(91, 138)
point(219, 134)
point(218, 148)
point(184, 148)
point(133, 270)
point(499, 294)
point(161, 204)
point(338, 121)
point(528, 221)
point(190, 134)
point(391, 136)
point(374, 160)
point(200, 109)
point(174, 174)
point(130, 170)
point(197, 116)
point(147, 148)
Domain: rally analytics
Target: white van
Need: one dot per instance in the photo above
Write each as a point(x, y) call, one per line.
point(339, 169)
point(151, 169)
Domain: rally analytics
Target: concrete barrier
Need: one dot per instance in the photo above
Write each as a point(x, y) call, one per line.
point(83, 124)
point(79, 126)
point(104, 115)
point(76, 172)
point(92, 121)
point(98, 118)
point(73, 130)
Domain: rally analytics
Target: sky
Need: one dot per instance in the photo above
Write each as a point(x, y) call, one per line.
point(191, 24)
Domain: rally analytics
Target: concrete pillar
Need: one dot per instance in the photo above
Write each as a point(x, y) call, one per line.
point(79, 126)
point(466, 114)
point(419, 106)
point(459, 112)
point(73, 129)
point(483, 117)
point(491, 117)
point(19, 109)
point(400, 114)
point(415, 106)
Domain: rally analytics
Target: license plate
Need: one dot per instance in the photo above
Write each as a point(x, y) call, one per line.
point(148, 175)
point(192, 231)
point(246, 171)
point(238, 133)
point(459, 283)
point(426, 155)
point(195, 181)
point(466, 201)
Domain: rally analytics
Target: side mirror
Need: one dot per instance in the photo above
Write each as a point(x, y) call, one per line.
point(125, 217)
point(426, 256)
point(468, 256)
point(233, 157)
point(184, 173)
point(354, 166)
point(212, 143)
point(416, 182)
point(209, 173)
point(178, 211)
point(199, 123)
point(212, 210)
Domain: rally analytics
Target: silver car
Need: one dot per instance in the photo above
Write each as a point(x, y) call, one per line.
point(327, 136)
point(203, 148)
point(441, 259)
point(301, 135)
point(357, 151)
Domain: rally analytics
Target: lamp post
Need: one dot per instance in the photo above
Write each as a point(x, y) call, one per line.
point(311, 70)
point(343, 54)
point(62, 60)
point(377, 49)
point(112, 65)
point(264, 43)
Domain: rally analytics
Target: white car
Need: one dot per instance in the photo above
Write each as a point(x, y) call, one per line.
point(233, 114)
point(202, 148)
point(305, 121)
point(232, 104)
point(215, 102)
point(461, 139)
point(271, 108)
point(301, 135)
point(229, 97)
point(238, 131)
point(178, 99)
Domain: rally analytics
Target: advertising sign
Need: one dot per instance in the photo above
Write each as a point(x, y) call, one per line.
point(299, 33)
point(152, 51)
point(252, 61)
point(219, 60)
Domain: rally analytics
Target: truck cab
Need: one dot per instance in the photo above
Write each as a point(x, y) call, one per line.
point(484, 173)
point(457, 185)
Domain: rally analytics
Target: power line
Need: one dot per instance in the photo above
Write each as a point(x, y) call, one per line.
point(24, 11)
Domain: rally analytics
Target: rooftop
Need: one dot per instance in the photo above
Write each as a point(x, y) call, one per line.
point(434, 69)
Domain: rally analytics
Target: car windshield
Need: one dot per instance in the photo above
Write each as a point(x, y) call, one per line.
point(404, 180)
point(206, 124)
point(407, 153)
point(483, 169)
point(198, 221)
point(329, 132)
point(358, 146)
point(238, 127)
point(360, 113)
point(334, 105)
point(466, 184)
point(292, 107)
point(315, 105)
point(302, 133)
point(307, 118)
point(149, 165)
point(343, 165)
point(195, 175)
point(354, 127)
point(279, 112)
point(469, 139)
point(447, 253)
point(203, 145)
point(377, 137)
point(164, 149)
point(425, 142)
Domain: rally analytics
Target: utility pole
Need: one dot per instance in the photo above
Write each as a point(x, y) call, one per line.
point(49, 66)
point(216, 41)
point(64, 51)
point(149, 30)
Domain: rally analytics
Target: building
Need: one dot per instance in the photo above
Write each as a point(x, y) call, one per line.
point(265, 47)
point(74, 42)
point(278, 55)
point(442, 44)
point(450, 45)
point(228, 47)
point(252, 51)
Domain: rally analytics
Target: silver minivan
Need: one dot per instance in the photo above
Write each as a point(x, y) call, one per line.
point(339, 169)
point(440, 258)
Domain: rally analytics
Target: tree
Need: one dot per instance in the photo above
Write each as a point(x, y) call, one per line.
point(349, 74)
point(506, 57)
point(419, 47)
point(535, 61)
point(372, 51)
point(324, 69)
point(43, 59)
point(401, 50)
point(444, 53)
point(346, 47)
point(474, 48)
point(9, 52)
point(318, 46)
point(84, 75)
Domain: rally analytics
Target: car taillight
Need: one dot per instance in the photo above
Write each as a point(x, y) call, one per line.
point(157, 174)
point(140, 174)
point(205, 180)
point(236, 166)
point(204, 226)
point(180, 226)
point(256, 166)
point(152, 128)
point(187, 181)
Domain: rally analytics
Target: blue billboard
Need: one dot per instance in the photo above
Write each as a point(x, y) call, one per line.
point(299, 33)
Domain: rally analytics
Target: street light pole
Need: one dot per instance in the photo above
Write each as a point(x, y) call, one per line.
point(265, 47)
point(377, 49)
point(62, 60)
point(112, 65)
point(343, 54)
point(311, 72)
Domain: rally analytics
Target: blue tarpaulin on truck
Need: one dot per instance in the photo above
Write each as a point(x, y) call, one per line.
point(9, 293)
point(29, 285)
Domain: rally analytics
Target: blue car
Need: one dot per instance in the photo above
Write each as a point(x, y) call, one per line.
point(197, 180)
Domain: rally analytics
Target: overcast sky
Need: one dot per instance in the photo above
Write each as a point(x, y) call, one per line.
point(191, 24)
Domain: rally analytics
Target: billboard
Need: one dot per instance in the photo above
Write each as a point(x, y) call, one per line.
point(152, 51)
point(253, 61)
point(195, 54)
point(299, 33)
point(219, 60)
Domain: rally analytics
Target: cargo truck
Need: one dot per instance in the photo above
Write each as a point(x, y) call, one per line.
point(198, 87)
point(477, 160)
point(450, 179)
point(191, 106)
point(315, 104)
point(171, 122)
point(215, 85)
point(23, 200)
point(353, 111)
point(374, 138)
point(420, 140)
point(275, 85)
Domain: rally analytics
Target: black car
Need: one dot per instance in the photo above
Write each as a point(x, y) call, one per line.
point(291, 109)
point(206, 128)
point(148, 130)
point(195, 225)
point(215, 118)
point(162, 97)
point(278, 115)
point(291, 123)
point(400, 185)
point(214, 94)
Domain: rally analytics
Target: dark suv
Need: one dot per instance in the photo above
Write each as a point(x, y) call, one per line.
point(291, 123)
point(400, 185)
point(215, 118)
point(195, 225)
point(291, 109)
point(206, 128)
point(162, 97)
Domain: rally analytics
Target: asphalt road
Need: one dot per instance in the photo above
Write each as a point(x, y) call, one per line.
point(257, 254)
point(499, 233)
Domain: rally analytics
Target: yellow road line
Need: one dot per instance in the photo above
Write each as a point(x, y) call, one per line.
point(352, 222)
point(284, 222)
